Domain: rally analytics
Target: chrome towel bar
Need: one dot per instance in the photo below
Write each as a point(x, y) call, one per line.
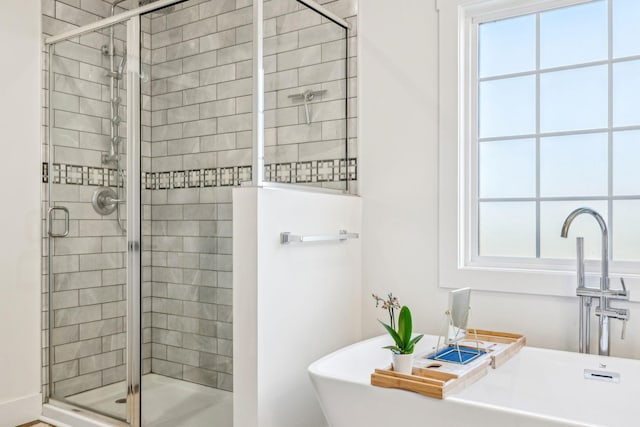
point(286, 237)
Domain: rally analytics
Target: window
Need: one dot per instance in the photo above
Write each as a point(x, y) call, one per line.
point(547, 107)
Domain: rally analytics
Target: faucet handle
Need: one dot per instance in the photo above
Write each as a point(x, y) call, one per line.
point(624, 329)
point(621, 294)
point(624, 293)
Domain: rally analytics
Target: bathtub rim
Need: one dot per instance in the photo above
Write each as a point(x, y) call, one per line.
point(316, 372)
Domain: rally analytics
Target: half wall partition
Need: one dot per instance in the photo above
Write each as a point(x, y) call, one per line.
point(152, 119)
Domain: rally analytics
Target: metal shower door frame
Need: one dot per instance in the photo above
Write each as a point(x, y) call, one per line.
point(134, 198)
point(133, 234)
point(133, 181)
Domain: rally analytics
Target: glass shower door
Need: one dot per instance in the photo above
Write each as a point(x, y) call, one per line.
point(86, 221)
point(307, 78)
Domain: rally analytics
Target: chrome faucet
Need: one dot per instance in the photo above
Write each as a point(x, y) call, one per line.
point(604, 294)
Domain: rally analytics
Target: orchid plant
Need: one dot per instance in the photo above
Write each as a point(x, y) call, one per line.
point(404, 344)
point(390, 304)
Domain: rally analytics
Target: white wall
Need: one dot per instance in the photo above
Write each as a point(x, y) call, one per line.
point(398, 108)
point(19, 217)
point(292, 304)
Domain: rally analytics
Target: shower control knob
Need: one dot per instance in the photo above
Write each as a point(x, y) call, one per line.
point(105, 200)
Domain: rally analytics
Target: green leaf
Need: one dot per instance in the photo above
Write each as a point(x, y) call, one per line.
point(411, 345)
point(405, 325)
point(393, 348)
point(415, 340)
point(393, 334)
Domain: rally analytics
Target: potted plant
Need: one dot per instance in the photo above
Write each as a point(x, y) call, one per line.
point(402, 351)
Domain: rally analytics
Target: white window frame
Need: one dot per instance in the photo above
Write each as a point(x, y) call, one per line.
point(458, 266)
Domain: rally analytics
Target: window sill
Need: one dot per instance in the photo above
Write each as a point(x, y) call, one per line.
point(528, 281)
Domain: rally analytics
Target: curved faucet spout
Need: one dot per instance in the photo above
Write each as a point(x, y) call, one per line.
point(604, 283)
point(580, 211)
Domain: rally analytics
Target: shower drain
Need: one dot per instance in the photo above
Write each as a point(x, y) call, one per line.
point(123, 400)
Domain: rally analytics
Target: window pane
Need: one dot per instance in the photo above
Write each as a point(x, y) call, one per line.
point(626, 154)
point(552, 216)
point(507, 229)
point(573, 165)
point(508, 168)
point(507, 46)
point(573, 35)
point(507, 107)
point(626, 233)
point(535, 133)
point(626, 93)
point(574, 99)
point(626, 31)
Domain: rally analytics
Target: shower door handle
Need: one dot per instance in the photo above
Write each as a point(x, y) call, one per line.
point(66, 221)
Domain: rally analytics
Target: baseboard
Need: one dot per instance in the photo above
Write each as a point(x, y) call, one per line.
point(20, 411)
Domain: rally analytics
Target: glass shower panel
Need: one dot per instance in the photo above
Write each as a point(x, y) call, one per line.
point(86, 246)
point(306, 93)
point(196, 146)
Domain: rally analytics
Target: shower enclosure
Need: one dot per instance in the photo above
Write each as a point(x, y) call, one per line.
point(152, 119)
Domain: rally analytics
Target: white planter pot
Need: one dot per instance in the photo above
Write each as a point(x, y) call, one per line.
point(403, 363)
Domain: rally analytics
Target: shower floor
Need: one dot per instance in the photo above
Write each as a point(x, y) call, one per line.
point(166, 402)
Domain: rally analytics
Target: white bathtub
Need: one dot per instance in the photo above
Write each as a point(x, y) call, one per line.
point(537, 387)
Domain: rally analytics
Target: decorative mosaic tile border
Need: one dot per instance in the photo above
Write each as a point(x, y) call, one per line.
point(79, 175)
point(314, 171)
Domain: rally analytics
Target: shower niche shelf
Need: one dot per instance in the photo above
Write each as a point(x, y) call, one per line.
point(438, 378)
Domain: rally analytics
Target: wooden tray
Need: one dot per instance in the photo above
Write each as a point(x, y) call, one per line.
point(506, 344)
point(438, 379)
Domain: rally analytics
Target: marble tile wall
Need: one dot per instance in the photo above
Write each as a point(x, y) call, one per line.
point(201, 84)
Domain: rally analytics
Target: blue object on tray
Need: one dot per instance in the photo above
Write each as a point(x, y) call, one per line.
point(456, 354)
